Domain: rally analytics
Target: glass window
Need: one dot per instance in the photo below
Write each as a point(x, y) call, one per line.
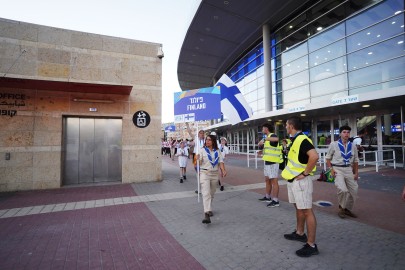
point(322, 8)
point(327, 98)
point(296, 94)
point(327, 37)
point(291, 27)
point(260, 82)
point(377, 53)
point(328, 69)
point(296, 80)
point(295, 66)
point(292, 53)
point(373, 15)
point(329, 86)
point(260, 93)
point(377, 73)
point(379, 86)
point(324, 131)
point(376, 33)
point(327, 53)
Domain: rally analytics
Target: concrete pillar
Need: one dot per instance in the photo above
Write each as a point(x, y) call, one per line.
point(268, 92)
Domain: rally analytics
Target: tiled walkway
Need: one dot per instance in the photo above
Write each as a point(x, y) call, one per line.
point(157, 225)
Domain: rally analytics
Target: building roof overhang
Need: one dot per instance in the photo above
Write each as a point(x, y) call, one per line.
point(221, 31)
point(66, 86)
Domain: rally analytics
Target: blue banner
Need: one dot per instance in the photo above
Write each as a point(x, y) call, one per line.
point(170, 128)
point(197, 105)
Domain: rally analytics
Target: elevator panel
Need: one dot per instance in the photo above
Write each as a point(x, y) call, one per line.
point(92, 150)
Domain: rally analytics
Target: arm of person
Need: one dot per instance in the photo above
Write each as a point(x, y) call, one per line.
point(312, 160)
point(356, 170)
point(223, 171)
point(272, 138)
point(328, 158)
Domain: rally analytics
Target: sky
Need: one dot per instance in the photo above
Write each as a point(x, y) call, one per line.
point(159, 21)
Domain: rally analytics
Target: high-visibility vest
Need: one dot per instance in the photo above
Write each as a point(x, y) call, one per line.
point(272, 153)
point(294, 167)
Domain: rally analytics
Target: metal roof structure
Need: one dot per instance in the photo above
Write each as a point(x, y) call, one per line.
point(221, 31)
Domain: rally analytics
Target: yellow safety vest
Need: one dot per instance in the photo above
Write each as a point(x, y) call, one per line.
point(294, 167)
point(272, 153)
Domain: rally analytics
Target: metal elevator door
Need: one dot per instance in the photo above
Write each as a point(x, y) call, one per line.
point(92, 150)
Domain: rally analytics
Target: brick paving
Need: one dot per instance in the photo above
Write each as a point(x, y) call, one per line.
point(157, 225)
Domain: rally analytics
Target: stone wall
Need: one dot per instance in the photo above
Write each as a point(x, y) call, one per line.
point(33, 136)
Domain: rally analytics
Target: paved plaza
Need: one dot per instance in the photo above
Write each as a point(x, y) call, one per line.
point(158, 225)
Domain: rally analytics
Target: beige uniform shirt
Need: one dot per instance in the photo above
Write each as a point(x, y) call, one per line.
point(205, 164)
point(335, 156)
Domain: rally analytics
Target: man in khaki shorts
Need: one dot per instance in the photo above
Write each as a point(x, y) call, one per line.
point(302, 158)
point(342, 158)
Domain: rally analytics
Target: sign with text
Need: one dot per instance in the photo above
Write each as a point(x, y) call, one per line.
point(170, 128)
point(345, 100)
point(197, 105)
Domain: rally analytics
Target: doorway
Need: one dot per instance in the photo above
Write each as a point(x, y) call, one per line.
point(92, 150)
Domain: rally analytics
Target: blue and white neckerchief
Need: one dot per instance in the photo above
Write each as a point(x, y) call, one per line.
point(346, 155)
point(221, 148)
point(215, 161)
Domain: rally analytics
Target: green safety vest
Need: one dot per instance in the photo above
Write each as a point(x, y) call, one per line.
point(272, 153)
point(294, 167)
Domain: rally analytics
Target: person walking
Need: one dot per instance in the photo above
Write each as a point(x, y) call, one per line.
point(211, 162)
point(182, 154)
point(342, 158)
point(224, 151)
point(272, 156)
point(172, 148)
point(302, 158)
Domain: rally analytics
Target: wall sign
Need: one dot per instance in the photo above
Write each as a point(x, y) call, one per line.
point(9, 102)
point(141, 119)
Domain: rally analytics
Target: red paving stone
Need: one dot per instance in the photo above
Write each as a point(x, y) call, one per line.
point(114, 237)
point(63, 195)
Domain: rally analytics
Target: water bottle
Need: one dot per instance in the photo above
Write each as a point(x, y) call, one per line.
point(264, 137)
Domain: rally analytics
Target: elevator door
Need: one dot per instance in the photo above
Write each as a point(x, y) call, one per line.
point(92, 150)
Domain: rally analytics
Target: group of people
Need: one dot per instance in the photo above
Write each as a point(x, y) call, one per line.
point(342, 158)
point(298, 157)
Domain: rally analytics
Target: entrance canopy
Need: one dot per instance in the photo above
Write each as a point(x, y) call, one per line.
point(221, 31)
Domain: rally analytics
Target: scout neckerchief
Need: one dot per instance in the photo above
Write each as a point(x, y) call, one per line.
point(215, 161)
point(345, 155)
point(221, 148)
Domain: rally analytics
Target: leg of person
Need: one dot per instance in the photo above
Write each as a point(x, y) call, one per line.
point(352, 187)
point(213, 189)
point(303, 190)
point(273, 175)
point(298, 234)
point(342, 191)
point(206, 195)
point(267, 197)
point(181, 175)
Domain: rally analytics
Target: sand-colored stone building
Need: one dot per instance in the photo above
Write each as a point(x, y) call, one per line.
point(72, 108)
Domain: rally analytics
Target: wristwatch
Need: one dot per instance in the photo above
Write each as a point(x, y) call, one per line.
point(304, 174)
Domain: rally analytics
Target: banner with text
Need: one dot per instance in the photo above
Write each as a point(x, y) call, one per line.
point(197, 105)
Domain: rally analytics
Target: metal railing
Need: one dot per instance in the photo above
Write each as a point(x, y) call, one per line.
point(379, 158)
point(255, 155)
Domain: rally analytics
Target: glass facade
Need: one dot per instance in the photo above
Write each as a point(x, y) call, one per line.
point(326, 52)
point(340, 54)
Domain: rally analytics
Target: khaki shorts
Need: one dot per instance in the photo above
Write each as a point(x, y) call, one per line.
point(300, 192)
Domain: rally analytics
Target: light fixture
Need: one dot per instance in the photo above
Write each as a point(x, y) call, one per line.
point(268, 120)
point(397, 12)
point(319, 28)
point(291, 26)
point(365, 105)
point(93, 100)
point(303, 114)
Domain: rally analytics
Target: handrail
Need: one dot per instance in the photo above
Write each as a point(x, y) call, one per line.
point(377, 162)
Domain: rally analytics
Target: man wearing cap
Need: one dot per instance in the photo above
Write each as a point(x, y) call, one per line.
point(342, 158)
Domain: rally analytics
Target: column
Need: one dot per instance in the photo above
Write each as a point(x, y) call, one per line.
point(268, 92)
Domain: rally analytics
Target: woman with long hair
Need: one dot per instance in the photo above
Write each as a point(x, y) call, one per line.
point(211, 162)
